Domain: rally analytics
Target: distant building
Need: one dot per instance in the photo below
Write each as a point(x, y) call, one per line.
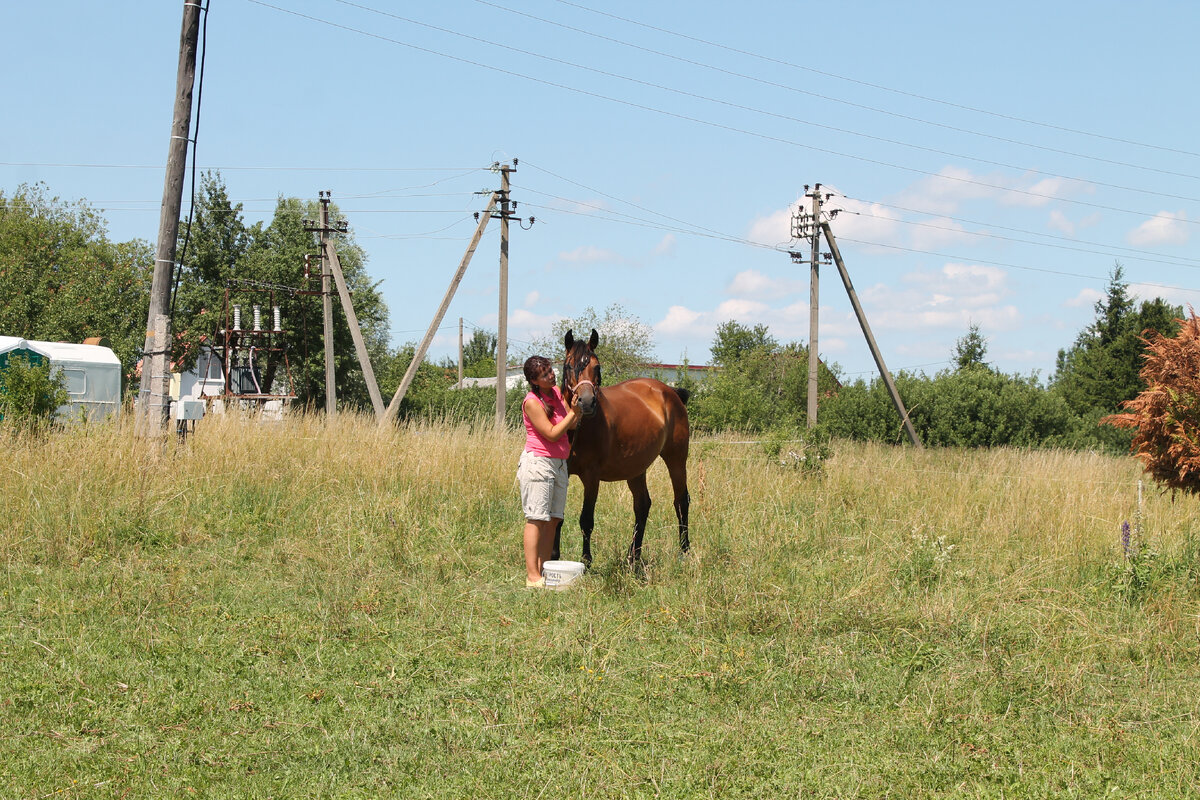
point(671, 374)
point(514, 379)
point(91, 373)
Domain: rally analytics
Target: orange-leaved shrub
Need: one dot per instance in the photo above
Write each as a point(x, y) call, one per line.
point(1166, 415)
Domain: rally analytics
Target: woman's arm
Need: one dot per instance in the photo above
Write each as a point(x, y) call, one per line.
point(541, 423)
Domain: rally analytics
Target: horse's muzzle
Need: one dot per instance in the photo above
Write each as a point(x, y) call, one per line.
point(587, 398)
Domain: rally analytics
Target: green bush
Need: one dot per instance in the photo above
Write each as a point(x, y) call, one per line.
point(29, 394)
point(971, 407)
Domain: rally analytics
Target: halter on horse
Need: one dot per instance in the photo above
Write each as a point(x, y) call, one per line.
point(624, 429)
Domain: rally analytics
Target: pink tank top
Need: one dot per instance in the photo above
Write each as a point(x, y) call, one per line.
point(534, 442)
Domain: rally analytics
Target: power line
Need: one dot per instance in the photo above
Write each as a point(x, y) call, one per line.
point(984, 234)
point(1015, 230)
point(234, 168)
point(881, 87)
point(708, 123)
point(829, 98)
point(973, 260)
point(767, 113)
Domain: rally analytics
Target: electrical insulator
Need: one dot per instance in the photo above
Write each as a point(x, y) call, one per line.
point(278, 326)
point(257, 318)
point(237, 318)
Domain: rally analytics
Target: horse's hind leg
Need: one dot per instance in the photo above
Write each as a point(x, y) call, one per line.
point(677, 467)
point(641, 511)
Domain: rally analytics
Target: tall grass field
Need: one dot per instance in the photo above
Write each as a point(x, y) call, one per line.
point(313, 608)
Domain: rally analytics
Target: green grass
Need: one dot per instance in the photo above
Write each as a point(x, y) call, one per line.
point(307, 610)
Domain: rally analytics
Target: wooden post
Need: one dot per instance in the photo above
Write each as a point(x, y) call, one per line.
point(502, 326)
point(155, 387)
point(419, 355)
point(866, 329)
point(360, 346)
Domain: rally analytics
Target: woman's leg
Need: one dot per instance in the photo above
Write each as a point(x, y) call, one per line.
point(533, 549)
point(546, 540)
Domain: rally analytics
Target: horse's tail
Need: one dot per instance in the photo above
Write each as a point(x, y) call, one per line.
point(684, 394)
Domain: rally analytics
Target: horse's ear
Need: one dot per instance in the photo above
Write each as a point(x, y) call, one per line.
point(593, 340)
point(569, 340)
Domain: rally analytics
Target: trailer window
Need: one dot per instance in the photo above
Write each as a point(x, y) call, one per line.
point(75, 379)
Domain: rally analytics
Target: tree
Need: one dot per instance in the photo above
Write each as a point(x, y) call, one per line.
point(479, 355)
point(970, 350)
point(210, 250)
point(1165, 417)
point(760, 385)
point(626, 343)
point(61, 279)
point(734, 341)
point(29, 394)
point(1100, 371)
point(262, 265)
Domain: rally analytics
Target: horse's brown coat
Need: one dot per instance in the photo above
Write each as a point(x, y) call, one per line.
point(624, 428)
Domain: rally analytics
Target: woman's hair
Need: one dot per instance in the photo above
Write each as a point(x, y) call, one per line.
point(536, 366)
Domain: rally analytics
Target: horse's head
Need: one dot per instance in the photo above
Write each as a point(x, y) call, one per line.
point(581, 373)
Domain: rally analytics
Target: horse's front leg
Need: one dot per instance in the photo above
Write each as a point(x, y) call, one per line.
point(555, 551)
point(641, 512)
point(587, 517)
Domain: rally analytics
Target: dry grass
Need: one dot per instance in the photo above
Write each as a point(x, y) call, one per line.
point(312, 608)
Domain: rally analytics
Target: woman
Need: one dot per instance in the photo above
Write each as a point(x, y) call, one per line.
point(542, 471)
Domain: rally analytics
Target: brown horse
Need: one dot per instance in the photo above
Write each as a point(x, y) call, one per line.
point(622, 429)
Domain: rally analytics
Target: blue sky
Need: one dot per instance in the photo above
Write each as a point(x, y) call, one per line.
point(993, 160)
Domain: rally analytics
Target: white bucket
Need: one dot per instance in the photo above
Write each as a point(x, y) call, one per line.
point(561, 574)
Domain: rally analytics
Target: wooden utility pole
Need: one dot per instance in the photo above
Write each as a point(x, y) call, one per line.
point(156, 377)
point(327, 311)
point(866, 329)
point(502, 324)
point(419, 355)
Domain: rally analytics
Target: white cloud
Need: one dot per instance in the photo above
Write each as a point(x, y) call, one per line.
point(680, 320)
point(954, 296)
point(532, 298)
point(939, 232)
point(1086, 297)
point(740, 309)
point(1163, 228)
point(752, 283)
point(590, 254)
point(666, 246)
point(1059, 222)
point(1173, 295)
point(945, 192)
point(1037, 194)
point(773, 229)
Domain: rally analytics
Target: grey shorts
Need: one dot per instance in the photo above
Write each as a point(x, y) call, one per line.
point(543, 486)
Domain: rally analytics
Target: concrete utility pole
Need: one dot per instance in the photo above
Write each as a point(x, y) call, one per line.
point(806, 226)
point(419, 356)
point(156, 378)
point(505, 214)
point(502, 324)
point(332, 268)
point(866, 329)
point(460, 352)
point(814, 304)
point(327, 311)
